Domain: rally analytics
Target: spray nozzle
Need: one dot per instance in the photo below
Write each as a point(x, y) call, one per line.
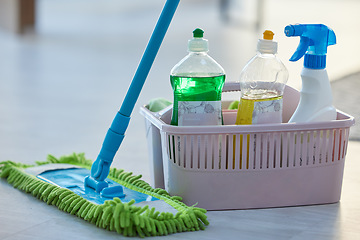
point(314, 40)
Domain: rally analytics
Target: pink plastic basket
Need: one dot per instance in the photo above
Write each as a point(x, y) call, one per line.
point(257, 166)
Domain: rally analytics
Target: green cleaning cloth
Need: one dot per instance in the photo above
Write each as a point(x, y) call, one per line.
point(234, 105)
point(157, 104)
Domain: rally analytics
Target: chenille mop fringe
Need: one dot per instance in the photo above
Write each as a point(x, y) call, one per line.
point(113, 215)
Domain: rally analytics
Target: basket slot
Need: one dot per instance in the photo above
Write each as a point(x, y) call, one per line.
point(298, 141)
point(291, 153)
point(182, 150)
point(323, 146)
point(238, 152)
point(230, 152)
point(251, 154)
point(264, 163)
point(305, 137)
point(330, 146)
point(284, 150)
point(189, 151)
point(208, 152)
point(324, 142)
point(336, 150)
point(168, 147)
point(345, 141)
point(257, 151)
point(195, 155)
point(212, 152)
point(176, 142)
point(224, 150)
point(271, 150)
point(342, 143)
point(177, 149)
point(244, 159)
point(170, 144)
point(316, 148)
point(277, 150)
point(277, 147)
point(216, 140)
point(311, 149)
point(208, 149)
point(202, 153)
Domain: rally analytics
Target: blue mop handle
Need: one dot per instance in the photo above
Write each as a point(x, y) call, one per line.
point(115, 135)
point(149, 57)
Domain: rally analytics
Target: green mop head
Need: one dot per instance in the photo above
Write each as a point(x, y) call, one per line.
point(114, 215)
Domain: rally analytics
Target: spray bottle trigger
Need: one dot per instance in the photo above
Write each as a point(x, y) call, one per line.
point(331, 38)
point(301, 49)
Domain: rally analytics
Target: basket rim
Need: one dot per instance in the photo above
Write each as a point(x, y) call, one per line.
point(344, 120)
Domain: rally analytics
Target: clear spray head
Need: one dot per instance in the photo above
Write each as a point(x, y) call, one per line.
point(198, 43)
point(314, 40)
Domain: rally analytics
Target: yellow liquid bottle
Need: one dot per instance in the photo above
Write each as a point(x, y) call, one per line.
point(262, 83)
point(256, 109)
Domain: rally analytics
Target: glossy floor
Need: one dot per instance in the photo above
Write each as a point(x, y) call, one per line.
point(61, 86)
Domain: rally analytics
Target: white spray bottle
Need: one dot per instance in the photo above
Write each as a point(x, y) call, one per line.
point(315, 96)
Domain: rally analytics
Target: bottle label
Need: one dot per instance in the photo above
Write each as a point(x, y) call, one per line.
point(257, 111)
point(267, 112)
point(197, 113)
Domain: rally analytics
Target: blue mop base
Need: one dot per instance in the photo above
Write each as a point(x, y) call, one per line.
point(73, 179)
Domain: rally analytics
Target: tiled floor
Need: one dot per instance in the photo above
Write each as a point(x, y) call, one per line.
point(61, 86)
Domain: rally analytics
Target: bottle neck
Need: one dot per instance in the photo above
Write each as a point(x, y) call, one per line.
point(197, 53)
point(262, 54)
point(315, 61)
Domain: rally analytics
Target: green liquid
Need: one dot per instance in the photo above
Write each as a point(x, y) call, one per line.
point(195, 89)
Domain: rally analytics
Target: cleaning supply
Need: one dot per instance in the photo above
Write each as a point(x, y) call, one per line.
point(108, 197)
point(197, 81)
point(116, 133)
point(315, 96)
point(262, 83)
point(158, 104)
point(143, 212)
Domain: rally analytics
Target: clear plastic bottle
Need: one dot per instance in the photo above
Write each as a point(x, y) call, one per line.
point(262, 84)
point(197, 81)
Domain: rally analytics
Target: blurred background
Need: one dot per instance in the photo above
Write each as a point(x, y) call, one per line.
point(65, 65)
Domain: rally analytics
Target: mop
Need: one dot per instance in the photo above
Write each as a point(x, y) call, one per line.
point(108, 197)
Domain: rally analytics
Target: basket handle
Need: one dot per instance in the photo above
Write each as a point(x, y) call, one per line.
point(231, 87)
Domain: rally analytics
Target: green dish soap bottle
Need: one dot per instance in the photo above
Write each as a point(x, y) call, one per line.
point(197, 81)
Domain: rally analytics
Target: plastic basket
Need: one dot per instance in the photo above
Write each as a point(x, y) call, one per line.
point(249, 166)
